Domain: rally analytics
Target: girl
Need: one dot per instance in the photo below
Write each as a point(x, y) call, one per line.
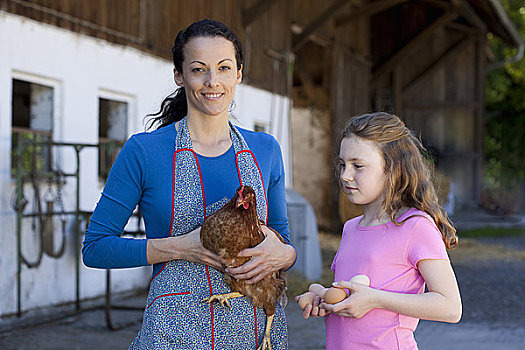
point(399, 242)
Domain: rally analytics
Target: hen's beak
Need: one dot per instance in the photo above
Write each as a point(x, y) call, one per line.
point(240, 199)
point(244, 204)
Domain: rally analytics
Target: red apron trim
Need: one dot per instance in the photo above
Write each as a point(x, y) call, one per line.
point(260, 173)
point(166, 295)
point(211, 309)
point(255, 318)
point(173, 190)
point(162, 268)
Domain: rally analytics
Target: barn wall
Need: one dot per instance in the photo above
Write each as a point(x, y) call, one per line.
point(313, 169)
point(151, 26)
point(339, 73)
point(443, 105)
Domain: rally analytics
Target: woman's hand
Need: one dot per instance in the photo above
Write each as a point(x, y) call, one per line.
point(313, 309)
point(360, 301)
point(187, 247)
point(269, 256)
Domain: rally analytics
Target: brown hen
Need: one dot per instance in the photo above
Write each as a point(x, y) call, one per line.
point(231, 229)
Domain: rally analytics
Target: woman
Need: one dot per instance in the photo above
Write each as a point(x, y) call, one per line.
point(186, 169)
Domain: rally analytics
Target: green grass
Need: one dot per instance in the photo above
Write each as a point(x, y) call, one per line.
point(491, 232)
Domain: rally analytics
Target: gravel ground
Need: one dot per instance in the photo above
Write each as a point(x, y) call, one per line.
point(491, 278)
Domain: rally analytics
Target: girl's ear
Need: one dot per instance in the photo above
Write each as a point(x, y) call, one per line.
point(177, 77)
point(239, 75)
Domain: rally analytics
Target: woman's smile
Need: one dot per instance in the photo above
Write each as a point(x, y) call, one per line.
point(212, 96)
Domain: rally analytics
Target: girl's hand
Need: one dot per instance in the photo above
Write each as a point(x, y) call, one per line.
point(187, 247)
point(360, 301)
point(269, 256)
point(312, 309)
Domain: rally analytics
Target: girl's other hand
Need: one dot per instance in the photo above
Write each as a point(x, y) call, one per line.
point(312, 309)
point(269, 256)
point(357, 304)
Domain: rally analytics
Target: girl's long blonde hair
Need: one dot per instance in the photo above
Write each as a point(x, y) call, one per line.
point(408, 182)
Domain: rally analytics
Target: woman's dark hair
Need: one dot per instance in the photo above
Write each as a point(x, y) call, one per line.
point(174, 107)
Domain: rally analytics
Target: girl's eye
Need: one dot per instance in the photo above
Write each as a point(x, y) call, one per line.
point(358, 166)
point(225, 68)
point(197, 70)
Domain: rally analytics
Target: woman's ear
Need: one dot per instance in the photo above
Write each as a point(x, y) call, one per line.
point(177, 77)
point(239, 74)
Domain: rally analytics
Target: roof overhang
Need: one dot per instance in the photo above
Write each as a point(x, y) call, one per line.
point(499, 23)
point(497, 20)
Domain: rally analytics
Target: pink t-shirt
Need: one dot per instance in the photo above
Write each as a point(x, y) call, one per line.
point(388, 255)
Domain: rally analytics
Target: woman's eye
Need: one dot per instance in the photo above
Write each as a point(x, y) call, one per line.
point(225, 68)
point(197, 70)
point(358, 166)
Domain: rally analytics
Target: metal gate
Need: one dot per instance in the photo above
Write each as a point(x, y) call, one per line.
point(34, 166)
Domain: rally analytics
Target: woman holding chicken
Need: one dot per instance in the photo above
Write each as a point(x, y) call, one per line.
point(180, 173)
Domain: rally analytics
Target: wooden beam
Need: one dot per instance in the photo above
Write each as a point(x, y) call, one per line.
point(318, 39)
point(412, 44)
point(465, 28)
point(369, 10)
point(315, 93)
point(318, 22)
point(250, 14)
point(444, 4)
point(465, 10)
point(436, 63)
point(442, 106)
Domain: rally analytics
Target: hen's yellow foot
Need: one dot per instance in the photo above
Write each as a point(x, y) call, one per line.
point(266, 343)
point(223, 299)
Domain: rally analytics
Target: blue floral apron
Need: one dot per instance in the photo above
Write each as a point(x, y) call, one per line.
point(175, 317)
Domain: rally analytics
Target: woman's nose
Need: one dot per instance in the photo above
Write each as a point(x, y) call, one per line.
point(212, 79)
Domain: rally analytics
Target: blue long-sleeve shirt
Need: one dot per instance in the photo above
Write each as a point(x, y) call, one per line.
point(143, 174)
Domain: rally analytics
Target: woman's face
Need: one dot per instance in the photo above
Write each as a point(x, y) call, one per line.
point(362, 170)
point(209, 75)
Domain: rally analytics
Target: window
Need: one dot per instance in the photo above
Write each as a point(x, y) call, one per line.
point(112, 132)
point(32, 119)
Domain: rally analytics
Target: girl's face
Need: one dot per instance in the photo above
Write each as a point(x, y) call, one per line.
point(362, 171)
point(209, 75)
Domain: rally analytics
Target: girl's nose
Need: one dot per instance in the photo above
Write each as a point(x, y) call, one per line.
point(346, 175)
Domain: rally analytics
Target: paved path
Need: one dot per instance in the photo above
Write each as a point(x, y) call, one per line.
point(87, 331)
point(493, 316)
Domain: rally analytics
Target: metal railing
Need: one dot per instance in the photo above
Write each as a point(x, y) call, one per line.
point(32, 164)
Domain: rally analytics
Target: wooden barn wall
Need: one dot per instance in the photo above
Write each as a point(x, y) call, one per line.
point(441, 101)
point(394, 28)
point(151, 26)
point(313, 175)
point(267, 45)
point(340, 73)
point(350, 97)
